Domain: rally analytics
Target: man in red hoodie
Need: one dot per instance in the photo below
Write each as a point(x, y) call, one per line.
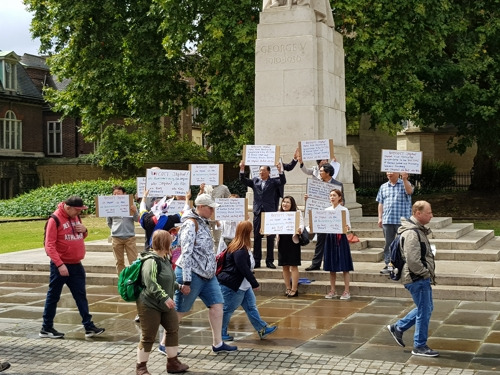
point(64, 244)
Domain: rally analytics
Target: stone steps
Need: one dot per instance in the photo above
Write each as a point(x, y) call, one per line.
point(467, 264)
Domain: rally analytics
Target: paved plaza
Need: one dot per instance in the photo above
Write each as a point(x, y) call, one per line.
point(315, 336)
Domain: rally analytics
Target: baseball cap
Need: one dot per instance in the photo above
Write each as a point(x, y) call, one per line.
point(205, 200)
point(75, 202)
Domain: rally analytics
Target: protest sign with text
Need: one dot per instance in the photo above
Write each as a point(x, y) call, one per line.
point(327, 221)
point(401, 161)
point(231, 209)
point(210, 174)
point(320, 190)
point(141, 185)
point(113, 205)
point(321, 149)
point(261, 154)
point(280, 222)
point(162, 182)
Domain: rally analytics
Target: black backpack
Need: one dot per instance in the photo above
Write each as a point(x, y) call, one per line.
point(56, 219)
point(398, 259)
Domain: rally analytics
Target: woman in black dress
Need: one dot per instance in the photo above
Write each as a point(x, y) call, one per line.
point(289, 251)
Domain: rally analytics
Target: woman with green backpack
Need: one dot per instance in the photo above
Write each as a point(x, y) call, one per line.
point(156, 306)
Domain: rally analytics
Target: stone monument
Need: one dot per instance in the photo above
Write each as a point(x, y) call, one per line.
point(300, 86)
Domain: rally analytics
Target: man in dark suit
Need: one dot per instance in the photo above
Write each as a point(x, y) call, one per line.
point(265, 196)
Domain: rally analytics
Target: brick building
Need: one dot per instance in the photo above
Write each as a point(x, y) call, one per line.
point(29, 129)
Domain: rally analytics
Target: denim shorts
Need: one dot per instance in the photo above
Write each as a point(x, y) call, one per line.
point(207, 289)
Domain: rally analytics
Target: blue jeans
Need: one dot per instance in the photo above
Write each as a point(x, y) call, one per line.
point(421, 292)
point(390, 231)
point(76, 284)
point(207, 289)
point(245, 299)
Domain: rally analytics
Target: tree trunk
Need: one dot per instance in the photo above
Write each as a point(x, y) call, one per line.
point(486, 171)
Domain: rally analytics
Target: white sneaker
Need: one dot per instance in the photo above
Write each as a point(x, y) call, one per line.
point(345, 296)
point(331, 295)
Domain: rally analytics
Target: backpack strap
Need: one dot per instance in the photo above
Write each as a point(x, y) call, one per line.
point(195, 223)
point(56, 219)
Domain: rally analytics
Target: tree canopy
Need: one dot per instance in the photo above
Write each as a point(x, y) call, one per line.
point(434, 62)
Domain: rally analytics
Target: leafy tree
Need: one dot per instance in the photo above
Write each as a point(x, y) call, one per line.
point(433, 62)
point(111, 53)
point(223, 34)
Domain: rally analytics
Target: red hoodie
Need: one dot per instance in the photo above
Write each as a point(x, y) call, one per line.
point(62, 243)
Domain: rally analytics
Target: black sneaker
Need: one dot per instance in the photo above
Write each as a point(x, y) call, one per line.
point(93, 331)
point(50, 333)
point(425, 351)
point(312, 268)
point(224, 348)
point(396, 334)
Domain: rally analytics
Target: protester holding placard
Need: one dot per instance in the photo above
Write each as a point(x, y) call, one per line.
point(326, 172)
point(337, 251)
point(265, 194)
point(157, 218)
point(123, 234)
point(394, 203)
point(228, 230)
point(289, 251)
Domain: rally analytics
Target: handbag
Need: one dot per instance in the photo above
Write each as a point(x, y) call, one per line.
point(304, 237)
point(352, 238)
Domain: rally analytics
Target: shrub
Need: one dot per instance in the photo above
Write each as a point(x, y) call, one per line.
point(43, 201)
point(436, 176)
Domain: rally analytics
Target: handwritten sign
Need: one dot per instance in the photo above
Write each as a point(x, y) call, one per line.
point(113, 205)
point(261, 154)
point(320, 190)
point(280, 222)
point(162, 182)
point(401, 161)
point(210, 174)
point(176, 206)
point(321, 149)
point(254, 171)
point(141, 185)
point(327, 221)
point(231, 209)
point(315, 204)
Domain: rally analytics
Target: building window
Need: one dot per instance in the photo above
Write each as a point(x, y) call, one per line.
point(54, 138)
point(10, 76)
point(10, 132)
point(5, 188)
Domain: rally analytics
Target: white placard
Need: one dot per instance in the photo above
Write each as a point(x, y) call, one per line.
point(254, 171)
point(279, 222)
point(260, 155)
point(320, 149)
point(401, 161)
point(231, 209)
point(209, 174)
point(315, 204)
point(327, 221)
point(162, 182)
point(320, 190)
point(141, 186)
point(113, 205)
point(175, 207)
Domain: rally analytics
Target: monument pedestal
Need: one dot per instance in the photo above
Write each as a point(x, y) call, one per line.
point(300, 91)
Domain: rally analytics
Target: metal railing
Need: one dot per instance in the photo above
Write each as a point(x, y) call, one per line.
point(460, 181)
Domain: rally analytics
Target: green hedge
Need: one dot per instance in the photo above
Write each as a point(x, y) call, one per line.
point(43, 201)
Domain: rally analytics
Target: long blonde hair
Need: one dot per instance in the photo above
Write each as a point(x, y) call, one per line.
point(241, 238)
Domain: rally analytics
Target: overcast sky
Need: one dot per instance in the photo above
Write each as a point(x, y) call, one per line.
point(15, 28)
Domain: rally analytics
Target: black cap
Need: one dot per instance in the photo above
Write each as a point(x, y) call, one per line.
point(75, 202)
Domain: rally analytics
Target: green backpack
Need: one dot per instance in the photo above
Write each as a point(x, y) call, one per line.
point(130, 281)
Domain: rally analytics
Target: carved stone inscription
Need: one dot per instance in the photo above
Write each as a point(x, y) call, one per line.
point(283, 53)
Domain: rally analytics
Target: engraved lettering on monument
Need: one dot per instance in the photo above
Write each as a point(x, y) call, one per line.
point(283, 53)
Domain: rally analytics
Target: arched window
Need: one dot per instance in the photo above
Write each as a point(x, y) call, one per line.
point(10, 132)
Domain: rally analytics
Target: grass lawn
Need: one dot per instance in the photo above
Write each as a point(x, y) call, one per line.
point(25, 235)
